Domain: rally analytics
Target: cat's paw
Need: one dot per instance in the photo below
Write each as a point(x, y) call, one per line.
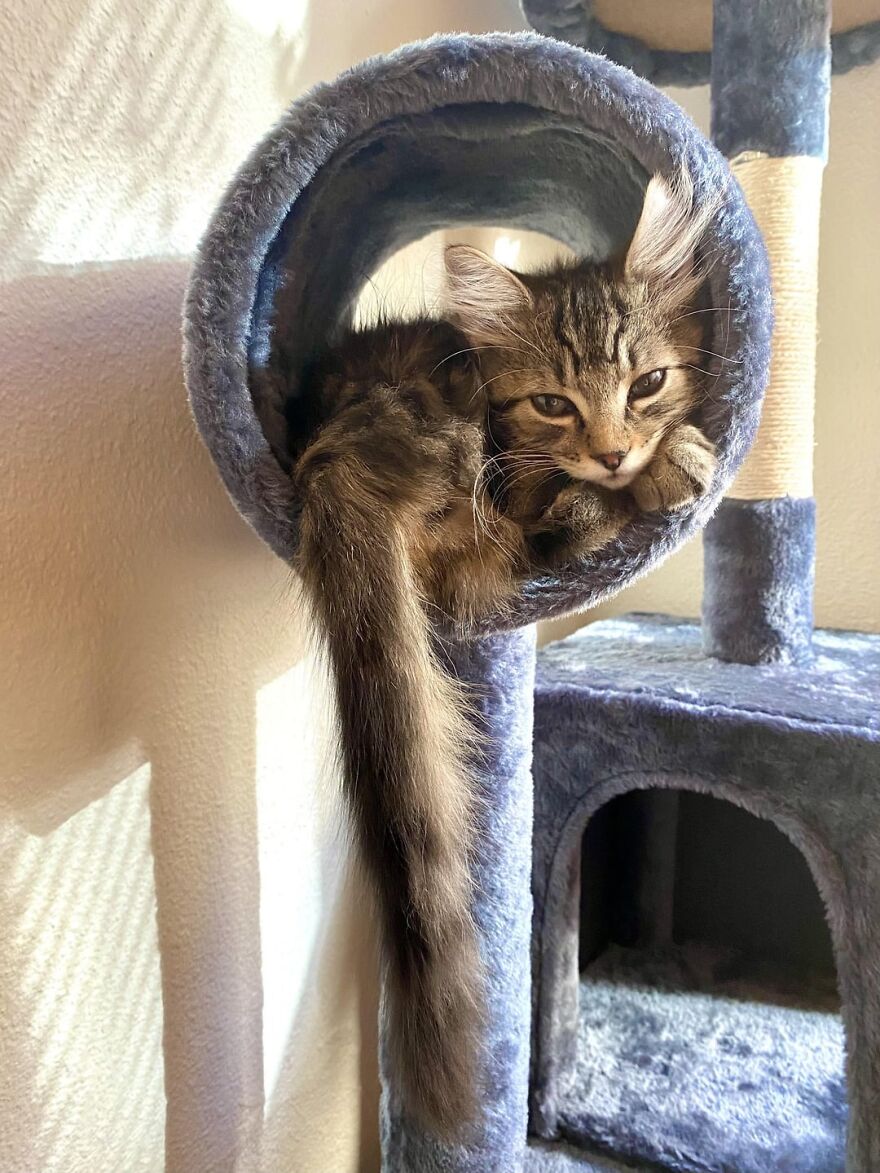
point(586, 518)
point(680, 472)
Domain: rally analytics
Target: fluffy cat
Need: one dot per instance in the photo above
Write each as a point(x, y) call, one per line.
point(446, 462)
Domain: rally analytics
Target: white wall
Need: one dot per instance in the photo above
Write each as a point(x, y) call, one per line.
point(166, 834)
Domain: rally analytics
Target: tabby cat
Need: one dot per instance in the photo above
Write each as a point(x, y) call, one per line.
point(449, 461)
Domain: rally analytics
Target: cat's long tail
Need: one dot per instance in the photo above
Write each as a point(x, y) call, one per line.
point(405, 741)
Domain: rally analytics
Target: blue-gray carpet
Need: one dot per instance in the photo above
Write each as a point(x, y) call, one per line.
point(684, 1066)
point(549, 1157)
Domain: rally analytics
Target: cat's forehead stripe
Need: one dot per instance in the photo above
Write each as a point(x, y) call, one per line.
point(561, 324)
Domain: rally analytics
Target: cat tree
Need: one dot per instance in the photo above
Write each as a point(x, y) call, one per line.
point(758, 709)
point(517, 130)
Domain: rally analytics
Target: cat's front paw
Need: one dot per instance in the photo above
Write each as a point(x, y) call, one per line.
point(583, 519)
point(681, 471)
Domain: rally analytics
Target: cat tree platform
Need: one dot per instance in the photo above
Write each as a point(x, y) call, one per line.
point(534, 134)
point(651, 1059)
point(548, 1157)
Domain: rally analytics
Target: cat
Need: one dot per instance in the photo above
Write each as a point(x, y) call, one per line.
point(446, 461)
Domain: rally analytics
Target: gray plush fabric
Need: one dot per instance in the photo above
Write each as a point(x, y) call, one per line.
point(557, 1157)
point(771, 76)
point(573, 20)
point(679, 1065)
point(500, 670)
point(634, 704)
point(513, 129)
point(759, 568)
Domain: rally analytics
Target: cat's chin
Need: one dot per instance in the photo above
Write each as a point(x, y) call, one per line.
point(614, 482)
point(605, 480)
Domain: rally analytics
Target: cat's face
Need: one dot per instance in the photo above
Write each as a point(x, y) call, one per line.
point(597, 377)
point(587, 367)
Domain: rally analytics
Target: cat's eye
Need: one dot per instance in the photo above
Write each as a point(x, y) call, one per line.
point(646, 385)
point(553, 405)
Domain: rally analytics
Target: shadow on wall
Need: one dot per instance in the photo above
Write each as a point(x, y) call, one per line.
point(157, 713)
point(126, 119)
point(162, 851)
point(129, 119)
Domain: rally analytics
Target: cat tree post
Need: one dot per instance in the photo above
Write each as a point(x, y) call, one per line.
point(771, 71)
point(501, 671)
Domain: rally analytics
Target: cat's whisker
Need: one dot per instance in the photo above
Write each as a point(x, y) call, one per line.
point(689, 366)
point(530, 466)
point(489, 431)
point(481, 519)
point(709, 309)
point(525, 454)
point(714, 375)
point(481, 471)
point(540, 481)
point(714, 354)
point(489, 531)
point(527, 462)
point(495, 378)
point(541, 460)
point(546, 473)
point(525, 341)
point(469, 350)
point(517, 473)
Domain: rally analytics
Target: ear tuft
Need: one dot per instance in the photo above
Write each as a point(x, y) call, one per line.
point(662, 251)
point(482, 296)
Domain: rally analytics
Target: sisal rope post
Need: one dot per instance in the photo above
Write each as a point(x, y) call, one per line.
point(784, 196)
point(771, 70)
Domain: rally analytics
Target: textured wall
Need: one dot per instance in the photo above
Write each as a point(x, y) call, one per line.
point(167, 839)
point(163, 840)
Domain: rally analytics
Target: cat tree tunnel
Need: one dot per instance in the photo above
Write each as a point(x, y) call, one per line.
point(506, 130)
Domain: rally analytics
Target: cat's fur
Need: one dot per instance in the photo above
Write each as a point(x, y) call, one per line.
point(434, 484)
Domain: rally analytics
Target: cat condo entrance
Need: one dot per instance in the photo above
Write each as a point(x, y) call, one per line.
point(709, 1034)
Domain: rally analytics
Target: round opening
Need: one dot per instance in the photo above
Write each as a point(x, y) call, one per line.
point(411, 176)
point(515, 131)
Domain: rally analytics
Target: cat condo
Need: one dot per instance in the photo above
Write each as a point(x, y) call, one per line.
point(532, 133)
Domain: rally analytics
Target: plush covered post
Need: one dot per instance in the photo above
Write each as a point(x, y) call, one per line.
point(500, 670)
point(771, 69)
point(671, 44)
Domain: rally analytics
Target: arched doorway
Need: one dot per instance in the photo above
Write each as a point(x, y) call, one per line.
point(709, 1033)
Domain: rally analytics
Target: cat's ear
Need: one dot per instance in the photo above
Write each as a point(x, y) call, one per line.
point(482, 296)
point(663, 250)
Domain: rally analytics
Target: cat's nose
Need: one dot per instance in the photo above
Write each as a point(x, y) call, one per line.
point(611, 460)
